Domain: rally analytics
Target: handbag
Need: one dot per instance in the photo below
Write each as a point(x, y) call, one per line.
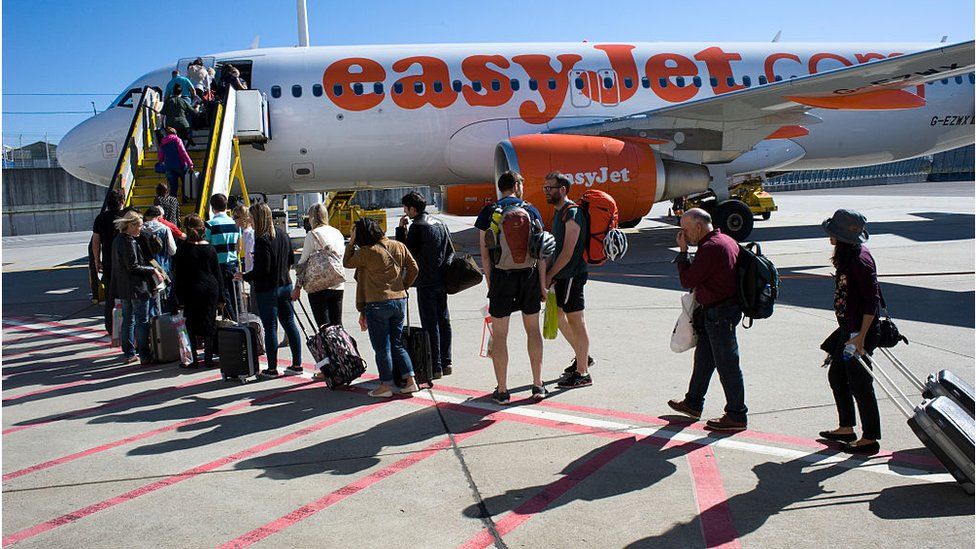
point(160, 167)
point(322, 270)
point(683, 337)
point(888, 334)
point(462, 272)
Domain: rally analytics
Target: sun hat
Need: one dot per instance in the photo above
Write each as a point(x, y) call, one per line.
point(847, 226)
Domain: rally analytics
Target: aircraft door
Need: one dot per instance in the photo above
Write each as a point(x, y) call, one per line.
point(609, 88)
point(182, 64)
point(579, 85)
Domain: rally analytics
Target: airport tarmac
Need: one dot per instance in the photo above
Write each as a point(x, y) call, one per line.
point(99, 454)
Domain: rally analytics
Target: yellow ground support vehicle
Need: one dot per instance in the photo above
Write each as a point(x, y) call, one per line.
point(759, 201)
point(342, 214)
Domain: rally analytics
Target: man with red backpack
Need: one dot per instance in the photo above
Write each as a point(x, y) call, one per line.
point(568, 273)
point(515, 278)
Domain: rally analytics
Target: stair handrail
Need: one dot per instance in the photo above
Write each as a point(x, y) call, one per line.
point(138, 140)
point(207, 171)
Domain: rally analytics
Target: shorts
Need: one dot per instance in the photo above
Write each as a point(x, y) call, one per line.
point(514, 291)
point(569, 293)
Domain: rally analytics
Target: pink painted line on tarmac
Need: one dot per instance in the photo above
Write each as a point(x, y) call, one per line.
point(340, 494)
point(54, 388)
point(111, 404)
point(714, 514)
point(550, 493)
point(300, 385)
point(84, 512)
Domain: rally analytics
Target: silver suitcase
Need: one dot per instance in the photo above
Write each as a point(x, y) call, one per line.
point(164, 338)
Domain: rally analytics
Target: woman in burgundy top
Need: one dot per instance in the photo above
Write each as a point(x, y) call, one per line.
point(857, 298)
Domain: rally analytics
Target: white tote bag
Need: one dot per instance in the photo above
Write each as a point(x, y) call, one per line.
point(684, 337)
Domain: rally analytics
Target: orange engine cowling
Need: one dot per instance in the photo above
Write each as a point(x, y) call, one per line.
point(469, 199)
point(629, 171)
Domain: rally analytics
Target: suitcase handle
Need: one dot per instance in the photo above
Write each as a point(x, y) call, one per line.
point(307, 317)
point(906, 411)
point(903, 369)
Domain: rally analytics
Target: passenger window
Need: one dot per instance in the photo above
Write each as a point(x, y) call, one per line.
point(646, 82)
point(778, 78)
point(945, 80)
point(378, 88)
point(959, 79)
point(496, 85)
point(972, 78)
point(438, 87)
point(533, 84)
point(713, 81)
point(357, 88)
point(680, 81)
point(746, 81)
point(336, 90)
point(730, 81)
point(628, 83)
point(296, 90)
point(317, 90)
point(579, 83)
point(552, 83)
point(762, 80)
point(663, 82)
point(276, 91)
point(456, 86)
point(397, 88)
point(696, 81)
point(476, 86)
point(515, 84)
point(607, 83)
point(418, 87)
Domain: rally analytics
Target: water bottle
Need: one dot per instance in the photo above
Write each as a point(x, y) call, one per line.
point(767, 294)
point(850, 351)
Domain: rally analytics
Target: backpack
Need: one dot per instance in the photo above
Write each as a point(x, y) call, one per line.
point(757, 283)
point(600, 211)
point(154, 244)
point(507, 239)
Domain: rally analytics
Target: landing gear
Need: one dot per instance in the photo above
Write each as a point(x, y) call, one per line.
point(734, 218)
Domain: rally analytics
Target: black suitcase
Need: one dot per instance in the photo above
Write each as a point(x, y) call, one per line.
point(417, 342)
point(942, 426)
point(942, 383)
point(238, 352)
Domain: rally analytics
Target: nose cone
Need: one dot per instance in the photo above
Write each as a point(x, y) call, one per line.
point(90, 151)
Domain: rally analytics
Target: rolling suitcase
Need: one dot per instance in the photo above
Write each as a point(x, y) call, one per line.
point(238, 347)
point(164, 336)
point(336, 353)
point(942, 426)
point(942, 383)
point(417, 342)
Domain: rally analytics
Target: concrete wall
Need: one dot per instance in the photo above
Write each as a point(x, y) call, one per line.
point(47, 200)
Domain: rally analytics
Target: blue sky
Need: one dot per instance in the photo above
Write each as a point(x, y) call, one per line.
point(97, 47)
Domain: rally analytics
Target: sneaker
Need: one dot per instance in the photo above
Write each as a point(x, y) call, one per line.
point(725, 424)
point(447, 370)
point(572, 367)
point(500, 398)
point(438, 374)
point(294, 370)
point(682, 408)
point(539, 392)
point(575, 380)
point(269, 373)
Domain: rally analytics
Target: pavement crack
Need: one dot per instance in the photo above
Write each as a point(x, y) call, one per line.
point(484, 515)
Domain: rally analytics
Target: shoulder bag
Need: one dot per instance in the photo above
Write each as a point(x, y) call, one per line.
point(322, 270)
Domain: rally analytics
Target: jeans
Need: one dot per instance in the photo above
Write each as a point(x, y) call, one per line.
point(718, 349)
point(385, 323)
point(174, 177)
point(326, 308)
point(436, 321)
point(135, 324)
point(274, 306)
point(227, 271)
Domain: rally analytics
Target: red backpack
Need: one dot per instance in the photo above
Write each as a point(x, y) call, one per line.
point(600, 210)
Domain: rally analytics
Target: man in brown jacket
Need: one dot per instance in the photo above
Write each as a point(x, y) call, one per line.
point(384, 270)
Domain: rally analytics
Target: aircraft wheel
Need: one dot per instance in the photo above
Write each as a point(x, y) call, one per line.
point(734, 218)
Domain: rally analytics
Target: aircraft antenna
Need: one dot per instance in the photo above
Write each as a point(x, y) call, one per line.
point(302, 24)
point(778, 34)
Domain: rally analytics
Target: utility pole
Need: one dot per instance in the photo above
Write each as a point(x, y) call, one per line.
point(47, 150)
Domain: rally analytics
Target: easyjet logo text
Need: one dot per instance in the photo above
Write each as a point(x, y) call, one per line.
point(600, 176)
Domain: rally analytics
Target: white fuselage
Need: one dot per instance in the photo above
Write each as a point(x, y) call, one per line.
point(419, 131)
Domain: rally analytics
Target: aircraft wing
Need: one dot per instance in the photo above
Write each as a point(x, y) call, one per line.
point(720, 128)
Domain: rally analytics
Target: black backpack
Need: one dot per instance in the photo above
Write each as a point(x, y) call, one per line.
point(757, 281)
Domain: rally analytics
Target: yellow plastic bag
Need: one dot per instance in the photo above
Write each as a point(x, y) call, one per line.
point(550, 322)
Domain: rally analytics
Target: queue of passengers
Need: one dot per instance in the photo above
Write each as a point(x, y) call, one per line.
point(206, 259)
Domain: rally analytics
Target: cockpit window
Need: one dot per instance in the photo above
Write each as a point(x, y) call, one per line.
point(125, 98)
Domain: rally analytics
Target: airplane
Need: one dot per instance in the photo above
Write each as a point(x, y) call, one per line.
point(645, 122)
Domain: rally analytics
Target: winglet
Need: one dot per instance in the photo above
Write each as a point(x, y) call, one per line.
point(778, 34)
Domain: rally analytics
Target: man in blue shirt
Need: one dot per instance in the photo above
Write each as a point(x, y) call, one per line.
point(568, 273)
point(223, 233)
point(512, 290)
point(184, 83)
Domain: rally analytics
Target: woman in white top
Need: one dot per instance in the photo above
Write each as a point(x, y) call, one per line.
point(326, 304)
point(200, 76)
point(245, 246)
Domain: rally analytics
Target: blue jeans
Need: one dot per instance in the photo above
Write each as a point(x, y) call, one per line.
point(135, 328)
point(436, 321)
point(276, 306)
point(385, 322)
point(174, 177)
point(718, 349)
